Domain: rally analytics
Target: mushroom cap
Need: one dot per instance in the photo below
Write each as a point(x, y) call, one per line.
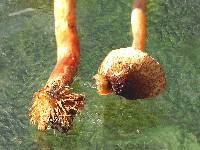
point(130, 73)
point(55, 107)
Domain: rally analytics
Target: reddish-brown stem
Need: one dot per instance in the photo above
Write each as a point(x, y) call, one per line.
point(138, 22)
point(55, 105)
point(67, 42)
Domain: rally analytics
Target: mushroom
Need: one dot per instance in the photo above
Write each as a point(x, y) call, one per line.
point(130, 72)
point(55, 105)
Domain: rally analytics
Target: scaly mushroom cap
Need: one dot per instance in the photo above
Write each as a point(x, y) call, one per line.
point(55, 107)
point(130, 73)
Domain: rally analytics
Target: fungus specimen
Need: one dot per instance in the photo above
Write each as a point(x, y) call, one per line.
point(55, 105)
point(130, 72)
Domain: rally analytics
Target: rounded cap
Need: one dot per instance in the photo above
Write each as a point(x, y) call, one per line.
point(130, 73)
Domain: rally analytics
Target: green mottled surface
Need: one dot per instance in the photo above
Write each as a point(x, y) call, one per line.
point(28, 54)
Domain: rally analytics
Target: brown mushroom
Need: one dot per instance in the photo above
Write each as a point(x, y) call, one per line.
point(130, 72)
point(54, 106)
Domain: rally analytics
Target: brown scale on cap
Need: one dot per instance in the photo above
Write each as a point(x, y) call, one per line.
point(136, 75)
point(130, 72)
point(55, 107)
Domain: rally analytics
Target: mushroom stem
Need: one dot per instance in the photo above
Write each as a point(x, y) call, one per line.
point(67, 41)
point(138, 23)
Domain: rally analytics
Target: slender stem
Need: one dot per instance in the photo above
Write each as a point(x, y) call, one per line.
point(68, 50)
point(138, 22)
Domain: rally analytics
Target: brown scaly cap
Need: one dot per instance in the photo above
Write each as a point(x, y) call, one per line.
point(130, 73)
point(55, 107)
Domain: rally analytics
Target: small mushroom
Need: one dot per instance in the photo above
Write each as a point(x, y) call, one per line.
point(55, 105)
point(130, 72)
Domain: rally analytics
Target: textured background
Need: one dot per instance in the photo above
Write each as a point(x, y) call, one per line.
point(28, 54)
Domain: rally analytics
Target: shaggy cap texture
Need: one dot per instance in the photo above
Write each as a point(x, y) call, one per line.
point(130, 73)
point(55, 107)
